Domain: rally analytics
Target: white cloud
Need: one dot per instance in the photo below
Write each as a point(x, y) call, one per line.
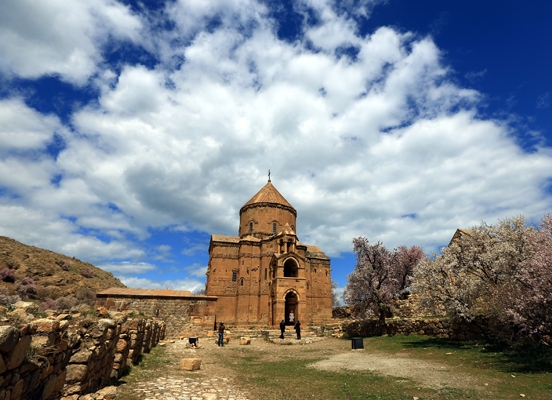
point(127, 268)
point(196, 270)
point(59, 37)
point(385, 145)
point(177, 284)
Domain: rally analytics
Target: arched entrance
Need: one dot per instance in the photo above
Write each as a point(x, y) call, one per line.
point(291, 308)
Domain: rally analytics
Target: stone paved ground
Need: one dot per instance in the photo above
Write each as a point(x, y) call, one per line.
point(188, 389)
point(168, 382)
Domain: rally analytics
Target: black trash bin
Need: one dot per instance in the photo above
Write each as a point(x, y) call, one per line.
point(357, 343)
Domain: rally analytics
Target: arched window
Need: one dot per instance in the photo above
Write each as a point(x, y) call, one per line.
point(250, 227)
point(274, 227)
point(308, 286)
point(241, 281)
point(234, 276)
point(290, 268)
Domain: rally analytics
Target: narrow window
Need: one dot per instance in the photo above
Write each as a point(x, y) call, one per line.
point(274, 228)
point(234, 276)
point(266, 273)
point(251, 227)
point(308, 285)
point(241, 281)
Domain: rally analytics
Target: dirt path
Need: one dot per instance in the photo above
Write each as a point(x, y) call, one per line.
point(427, 373)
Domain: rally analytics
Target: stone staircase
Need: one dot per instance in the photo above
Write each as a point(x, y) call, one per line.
point(309, 334)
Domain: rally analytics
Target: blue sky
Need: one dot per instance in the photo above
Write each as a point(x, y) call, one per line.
point(131, 131)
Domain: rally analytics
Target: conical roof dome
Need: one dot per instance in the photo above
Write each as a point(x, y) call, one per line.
point(268, 195)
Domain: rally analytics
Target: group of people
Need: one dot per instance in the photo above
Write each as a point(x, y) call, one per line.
point(296, 326)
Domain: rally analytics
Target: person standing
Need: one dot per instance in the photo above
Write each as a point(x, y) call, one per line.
point(282, 328)
point(221, 334)
point(298, 329)
point(291, 317)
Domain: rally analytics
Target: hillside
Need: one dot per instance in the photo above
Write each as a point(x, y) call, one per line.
point(55, 275)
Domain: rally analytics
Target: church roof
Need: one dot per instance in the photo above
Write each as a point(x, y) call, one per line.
point(215, 237)
point(315, 252)
point(268, 194)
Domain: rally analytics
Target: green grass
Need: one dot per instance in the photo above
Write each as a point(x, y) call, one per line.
point(508, 373)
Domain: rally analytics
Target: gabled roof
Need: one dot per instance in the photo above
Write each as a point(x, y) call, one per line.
point(268, 194)
point(457, 237)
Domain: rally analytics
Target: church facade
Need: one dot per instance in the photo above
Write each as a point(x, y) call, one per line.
point(265, 274)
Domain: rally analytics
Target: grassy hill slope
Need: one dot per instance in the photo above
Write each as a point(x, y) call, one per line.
point(55, 275)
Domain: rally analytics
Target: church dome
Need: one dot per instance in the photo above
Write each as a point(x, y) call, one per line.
point(266, 213)
point(268, 195)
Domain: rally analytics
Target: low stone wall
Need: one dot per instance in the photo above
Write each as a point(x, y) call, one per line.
point(439, 327)
point(33, 360)
point(57, 357)
point(180, 313)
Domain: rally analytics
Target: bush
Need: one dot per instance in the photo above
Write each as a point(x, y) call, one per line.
point(65, 303)
point(7, 275)
point(86, 296)
point(6, 299)
point(26, 287)
point(48, 304)
point(66, 266)
point(87, 273)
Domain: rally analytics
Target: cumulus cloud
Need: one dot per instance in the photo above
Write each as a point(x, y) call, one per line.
point(127, 268)
point(61, 38)
point(196, 270)
point(179, 284)
point(364, 135)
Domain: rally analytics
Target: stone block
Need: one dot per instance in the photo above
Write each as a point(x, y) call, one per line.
point(107, 393)
point(17, 355)
point(45, 325)
point(17, 390)
point(76, 373)
point(190, 364)
point(82, 357)
point(9, 336)
point(122, 345)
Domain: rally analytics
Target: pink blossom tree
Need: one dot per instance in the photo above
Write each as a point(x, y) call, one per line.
point(529, 312)
point(380, 276)
point(475, 274)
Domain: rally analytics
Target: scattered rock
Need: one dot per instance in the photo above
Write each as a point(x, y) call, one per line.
point(190, 364)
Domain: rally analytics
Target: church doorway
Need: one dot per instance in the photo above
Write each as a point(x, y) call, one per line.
point(291, 308)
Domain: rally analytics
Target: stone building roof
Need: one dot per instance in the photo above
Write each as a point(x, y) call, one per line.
point(268, 194)
point(215, 237)
point(315, 252)
point(457, 237)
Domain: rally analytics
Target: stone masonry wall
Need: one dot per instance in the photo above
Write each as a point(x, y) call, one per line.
point(179, 314)
point(440, 327)
point(57, 357)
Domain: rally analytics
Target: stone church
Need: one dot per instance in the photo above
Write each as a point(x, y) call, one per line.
point(265, 274)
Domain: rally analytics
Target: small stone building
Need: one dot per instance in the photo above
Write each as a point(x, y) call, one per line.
point(181, 311)
point(265, 274)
